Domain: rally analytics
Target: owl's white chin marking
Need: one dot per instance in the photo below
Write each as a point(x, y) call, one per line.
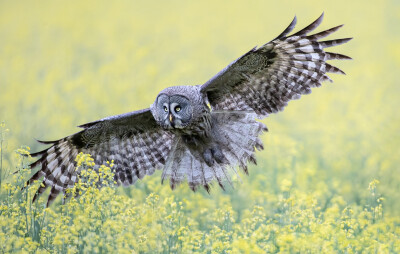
point(167, 125)
point(176, 124)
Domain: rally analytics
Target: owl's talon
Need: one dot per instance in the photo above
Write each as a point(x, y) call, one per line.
point(208, 157)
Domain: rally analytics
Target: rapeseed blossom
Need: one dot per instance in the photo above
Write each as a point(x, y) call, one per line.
point(102, 219)
point(327, 181)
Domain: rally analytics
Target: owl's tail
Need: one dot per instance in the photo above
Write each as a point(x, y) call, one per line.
point(233, 143)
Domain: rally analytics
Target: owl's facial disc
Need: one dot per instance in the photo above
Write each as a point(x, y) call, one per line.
point(175, 111)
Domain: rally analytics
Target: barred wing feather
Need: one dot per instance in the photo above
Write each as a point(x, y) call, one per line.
point(265, 79)
point(135, 142)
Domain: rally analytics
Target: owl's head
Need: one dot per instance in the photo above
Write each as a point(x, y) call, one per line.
point(172, 111)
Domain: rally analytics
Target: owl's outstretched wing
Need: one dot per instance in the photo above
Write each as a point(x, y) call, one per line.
point(136, 143)
point(266, 78)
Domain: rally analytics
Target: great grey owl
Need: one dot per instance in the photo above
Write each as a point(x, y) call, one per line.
point(198, 133)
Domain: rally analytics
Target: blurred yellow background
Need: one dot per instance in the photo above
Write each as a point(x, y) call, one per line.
point(65, 63)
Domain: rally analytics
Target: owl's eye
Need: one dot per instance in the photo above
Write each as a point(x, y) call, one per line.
point(165, 109)
point(177, 109)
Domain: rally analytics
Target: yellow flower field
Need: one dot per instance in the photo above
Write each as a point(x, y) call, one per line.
point(328, 180)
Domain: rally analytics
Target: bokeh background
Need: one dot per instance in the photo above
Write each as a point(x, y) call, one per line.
point(65, 63)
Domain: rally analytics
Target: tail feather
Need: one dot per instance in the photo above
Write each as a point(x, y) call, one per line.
point(235, 135)
point(221, 175)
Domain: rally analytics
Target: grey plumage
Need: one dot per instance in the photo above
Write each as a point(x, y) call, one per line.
point(198, 133)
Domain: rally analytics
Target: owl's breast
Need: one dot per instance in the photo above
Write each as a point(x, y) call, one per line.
point(200, 126)
point(198, 131)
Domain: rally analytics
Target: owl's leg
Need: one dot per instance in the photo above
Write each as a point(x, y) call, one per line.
point(214, 154)
point(208, 158)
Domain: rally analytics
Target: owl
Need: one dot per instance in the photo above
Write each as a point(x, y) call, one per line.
point(203, 133)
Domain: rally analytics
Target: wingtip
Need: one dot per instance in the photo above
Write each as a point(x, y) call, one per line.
point(288, 29)
point(321, 16)
point(345, 57)
point(319, 20)
point(294, 19)
point(344, 40)
point(310, 27)
point(324, 33)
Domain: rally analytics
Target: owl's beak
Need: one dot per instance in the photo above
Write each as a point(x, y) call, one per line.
point(170, 118)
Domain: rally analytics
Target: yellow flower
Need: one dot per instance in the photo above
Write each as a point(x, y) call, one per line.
point(286, 185)
point(372, 185)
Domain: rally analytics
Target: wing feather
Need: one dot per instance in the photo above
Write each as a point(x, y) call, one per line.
point(310, 27)
point(288, 29)
point(135, 142)
point(265, 79)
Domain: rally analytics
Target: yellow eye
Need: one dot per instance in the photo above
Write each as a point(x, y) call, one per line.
point(177, 109)
point(165, 109)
